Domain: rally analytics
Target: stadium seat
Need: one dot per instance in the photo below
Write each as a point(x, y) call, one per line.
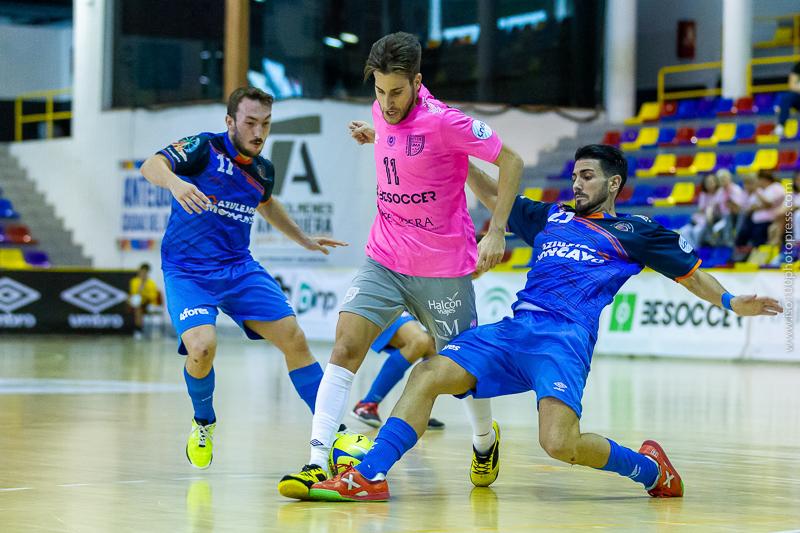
point(666, 136)
point(715, 257)
point(550, 195)
point(641, 194)
point(679, 221)
point(664, 165)
point(687, 110)
point(36, 258)
point(669, 109)
point(723, 107)
point(12, 258)
point(534, 193)
point(745, 134)
point(660, 192)
point(520, 258)
point(743, 159)
point(702, 134)
point(566, 172)
point(629, 136)
point(764, 103)
point(724, 160)
point(765, 159)
point(565, 195)
point(790, 131)
point(649, 112)
point(743, 106)
point(724, 132)
point(633, 164)
point(642, 163)
point(612, 137)
point(684, 163)
point(18, 234)
point(787, 160)
point(646, 138)
point(7, 209)
point(625, 194)
point(683, 136)
point(706, 108)
point(703, 162)
point(765, 134)
point(682, 193)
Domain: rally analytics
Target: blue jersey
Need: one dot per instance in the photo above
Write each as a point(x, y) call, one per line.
point(579, 263)
point(236, 185)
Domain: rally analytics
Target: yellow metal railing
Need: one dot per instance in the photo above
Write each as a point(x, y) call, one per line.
point(768, 87)
point(49, 115)
point(777, 40)
point(696, 93)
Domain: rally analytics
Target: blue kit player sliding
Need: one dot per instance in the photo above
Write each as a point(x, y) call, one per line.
point(581, 258)
point(219, 182)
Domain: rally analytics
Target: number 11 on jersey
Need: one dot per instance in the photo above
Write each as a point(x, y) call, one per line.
point(387, 163)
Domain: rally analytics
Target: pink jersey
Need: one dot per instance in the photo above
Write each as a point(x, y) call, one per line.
point(423, 227)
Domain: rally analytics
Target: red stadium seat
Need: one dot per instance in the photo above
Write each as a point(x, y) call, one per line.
point(743, 106)
point(683, 136)
point(550, 195)
point(18, 234)
point(669, 108)
point(787, 160)
point(612, 137)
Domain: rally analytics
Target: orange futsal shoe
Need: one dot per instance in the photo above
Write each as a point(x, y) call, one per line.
point(669, 483)
point(349, 486)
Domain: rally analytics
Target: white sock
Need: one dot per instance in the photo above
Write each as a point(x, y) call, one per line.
point(332, 398)
point(479, 413)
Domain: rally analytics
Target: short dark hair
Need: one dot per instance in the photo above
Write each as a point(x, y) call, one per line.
point(145, 266)
point(611, 158)
point(251, 93)
point(767, 175)
point(396, 52)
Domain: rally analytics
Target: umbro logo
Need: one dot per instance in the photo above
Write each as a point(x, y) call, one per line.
point(94, 296)
point(14, 295)
point(315, 442)
point(559, 386)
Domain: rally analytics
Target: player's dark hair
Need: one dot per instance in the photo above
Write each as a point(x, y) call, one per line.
point(250, 93)
point(145, 266)
point(396, 52)
point(611, 159)
point(767, 175)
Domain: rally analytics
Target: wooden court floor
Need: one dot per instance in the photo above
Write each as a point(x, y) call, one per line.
point(92, 435)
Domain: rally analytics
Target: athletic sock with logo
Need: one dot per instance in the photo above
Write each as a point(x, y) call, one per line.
point(201, 391)
point(395, 438)
point(634, 465)
point(390, 374)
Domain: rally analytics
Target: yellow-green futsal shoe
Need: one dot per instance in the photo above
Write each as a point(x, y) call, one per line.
point(485, 468)
point(200, 446)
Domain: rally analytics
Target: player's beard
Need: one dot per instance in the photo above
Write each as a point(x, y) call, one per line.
point(237, 143)
point(409, 107)
point(591, 206)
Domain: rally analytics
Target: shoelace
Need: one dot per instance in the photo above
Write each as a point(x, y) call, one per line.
point(482, 465)
point(204, 434)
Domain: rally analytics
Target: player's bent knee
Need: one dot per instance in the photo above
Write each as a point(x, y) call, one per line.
point(559, 446)
point(425, 378)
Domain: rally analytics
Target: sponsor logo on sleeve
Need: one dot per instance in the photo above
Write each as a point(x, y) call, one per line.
point(685, 246)
point(481, 130)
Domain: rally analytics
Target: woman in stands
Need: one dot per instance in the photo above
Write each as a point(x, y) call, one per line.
point(764, 203)
point(702, 220)
point(727, 204)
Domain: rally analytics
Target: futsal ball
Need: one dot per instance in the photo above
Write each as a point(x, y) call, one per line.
point(348, 450)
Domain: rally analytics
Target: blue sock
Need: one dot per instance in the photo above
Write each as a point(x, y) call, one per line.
point(634, 465)
point(201, 391)
point(390, 375)
point(306, 383)
point(395, 438)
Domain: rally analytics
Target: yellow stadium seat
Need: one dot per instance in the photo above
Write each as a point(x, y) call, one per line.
point(646, 137)
point(766, 159)
point(648, 112)
point(663, 164)
point(723, 132)
point(783, 36)
point(520, 258)
point(790, 129)
point(682, 193)
point(12, 258)
point(745, 267)
point(534, 193)
point(703, 162)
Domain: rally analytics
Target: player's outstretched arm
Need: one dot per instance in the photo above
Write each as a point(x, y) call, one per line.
point(483, 185)
point(362, 132)
point(274, 213)
point(493, 245)
point(705, 286)
point(156, 170)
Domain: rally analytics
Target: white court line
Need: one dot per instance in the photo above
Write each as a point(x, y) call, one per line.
point(132, 481)
point(74, 485)
point(13, 489)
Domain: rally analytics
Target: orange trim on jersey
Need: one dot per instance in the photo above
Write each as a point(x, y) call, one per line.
point(692, 271)
point(596, 215)
point(613, 240)
point(242, 160)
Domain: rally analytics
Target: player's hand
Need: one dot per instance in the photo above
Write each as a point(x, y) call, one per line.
point(361, 132)
point(491, 250)
point(191, 198)
point(752, 305)
point(321, 244)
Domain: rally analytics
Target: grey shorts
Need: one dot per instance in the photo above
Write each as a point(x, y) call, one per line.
point(445, 306)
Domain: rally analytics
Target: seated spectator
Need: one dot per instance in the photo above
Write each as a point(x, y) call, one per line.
point(704, 217)
point(788, 100)
point(728, 203)
point(763, 206)
point(143, 293)
point(785, 225)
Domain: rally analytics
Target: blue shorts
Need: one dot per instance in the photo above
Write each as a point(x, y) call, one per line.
point(243, 291)
point(535, 350)
point(382, 342)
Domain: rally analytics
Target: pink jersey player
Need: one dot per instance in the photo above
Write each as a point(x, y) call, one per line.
point(423, 227)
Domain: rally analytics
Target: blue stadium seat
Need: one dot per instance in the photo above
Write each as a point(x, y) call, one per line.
point(687, 110)
point(7, 209)
point(641, 194)
point(666, 136)
point(745, 133)
point(744, 159)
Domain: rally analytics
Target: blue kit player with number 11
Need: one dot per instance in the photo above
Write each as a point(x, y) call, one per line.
point(219, 182)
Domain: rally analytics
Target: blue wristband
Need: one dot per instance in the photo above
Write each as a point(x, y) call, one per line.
point(726, 301)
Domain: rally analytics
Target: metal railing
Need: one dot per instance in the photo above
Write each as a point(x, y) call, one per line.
point(768, 87)
point(49, 115)
point(695, 93)
point(793, 41)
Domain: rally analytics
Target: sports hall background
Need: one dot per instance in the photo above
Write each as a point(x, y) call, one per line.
point(90, 88)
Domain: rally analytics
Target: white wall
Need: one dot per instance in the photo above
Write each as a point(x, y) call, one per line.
point(34, 58)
